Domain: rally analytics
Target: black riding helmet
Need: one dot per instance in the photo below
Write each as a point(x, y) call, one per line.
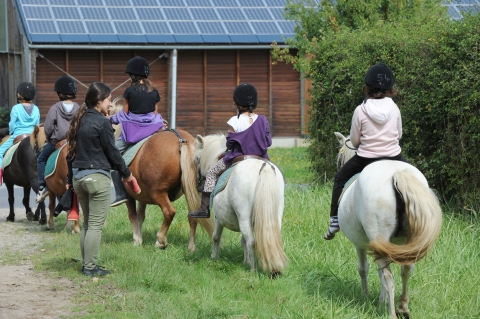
point(26, 90)
point(380, 76)
point(138, 66)
point(245, 95)
point(65, 85)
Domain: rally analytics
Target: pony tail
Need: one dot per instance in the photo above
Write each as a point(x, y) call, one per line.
point(72, 131)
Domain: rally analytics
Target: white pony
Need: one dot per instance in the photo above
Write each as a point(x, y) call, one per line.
point(391, 212)
point(252, 203)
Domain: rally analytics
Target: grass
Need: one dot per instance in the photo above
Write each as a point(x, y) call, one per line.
point(320, 282)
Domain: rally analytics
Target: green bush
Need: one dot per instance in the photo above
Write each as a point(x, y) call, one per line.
point(4, 116)
point(437, 69)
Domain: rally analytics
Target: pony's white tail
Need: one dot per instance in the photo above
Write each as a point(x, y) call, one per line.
point(189, 182)
point(266, 226)
point(424, 216)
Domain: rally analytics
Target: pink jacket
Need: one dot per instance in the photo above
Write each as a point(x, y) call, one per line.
point(377, 128)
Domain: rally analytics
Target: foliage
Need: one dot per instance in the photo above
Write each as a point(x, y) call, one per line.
point(4, 116)
point(436, 64)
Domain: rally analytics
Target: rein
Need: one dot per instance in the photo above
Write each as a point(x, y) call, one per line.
point(352, 148)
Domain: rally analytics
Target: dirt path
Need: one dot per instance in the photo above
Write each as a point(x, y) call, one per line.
point(25, 293)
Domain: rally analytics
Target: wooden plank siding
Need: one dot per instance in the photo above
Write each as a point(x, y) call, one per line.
point(205, 83)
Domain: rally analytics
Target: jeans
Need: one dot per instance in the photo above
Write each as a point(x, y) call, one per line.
point(42, 162)
point(354, 166)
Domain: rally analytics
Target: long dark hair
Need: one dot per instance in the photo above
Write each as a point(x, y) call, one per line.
point(96, 92)
point(146, 86)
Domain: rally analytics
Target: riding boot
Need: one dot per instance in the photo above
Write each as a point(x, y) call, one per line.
point(204, 210)
point(120, 192)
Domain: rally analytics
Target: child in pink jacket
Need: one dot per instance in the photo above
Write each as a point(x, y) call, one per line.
point(375, 132)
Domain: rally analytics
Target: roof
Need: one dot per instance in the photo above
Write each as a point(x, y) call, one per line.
point(167, 22)
point(155, 21)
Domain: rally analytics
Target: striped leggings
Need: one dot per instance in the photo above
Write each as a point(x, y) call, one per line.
point(213, 174)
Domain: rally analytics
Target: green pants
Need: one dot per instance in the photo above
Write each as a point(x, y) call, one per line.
point(93, 192)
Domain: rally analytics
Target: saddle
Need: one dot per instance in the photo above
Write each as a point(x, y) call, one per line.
point(19, 138)
point(60, 143)
point(246, 157)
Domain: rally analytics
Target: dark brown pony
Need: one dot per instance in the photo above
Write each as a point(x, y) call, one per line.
point(23, 172)
point(165, 168)
point(57, 181)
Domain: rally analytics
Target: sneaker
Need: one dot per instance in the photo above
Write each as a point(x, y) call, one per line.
point(334, 228)
point(97, 271)
point(42, 194)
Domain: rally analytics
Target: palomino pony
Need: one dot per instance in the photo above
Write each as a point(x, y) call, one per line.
point(57, 181)
point(22, 171)
point(251, 203)
point(391, 212)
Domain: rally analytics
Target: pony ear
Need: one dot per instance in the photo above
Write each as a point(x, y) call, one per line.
point(341, 139)
point(200, 139)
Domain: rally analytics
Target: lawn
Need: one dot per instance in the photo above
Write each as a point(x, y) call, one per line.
point(321, 280)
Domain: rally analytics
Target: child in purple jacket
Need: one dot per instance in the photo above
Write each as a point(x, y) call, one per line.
point(250, 136)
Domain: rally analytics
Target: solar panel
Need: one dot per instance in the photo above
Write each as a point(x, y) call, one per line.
point(469, 9)
point(117, 3)
point(238, 27)
point(63, 2)
point(469, 2)
point(33, 2)
point(42, 26)
point(231, 14)
point(288, 27)
point(277, 13)
point(91, 3)
point(150, 14)
point(257, 14)
point(66, 13)
point(99, 27)
point(70, 27)
point(177, 14)
point(37, 12)
point(265, 27)
point(183, 28)
point(210, 27)
point(276, 3)
point(204, 14)
point(156, 28)
point(453, 12)
point(94, 13)
point(170, 3)
point(122, 14)
point(198, 3)
point(145, 3)
point(251, 3)
point(225, 3)
point(128, 27)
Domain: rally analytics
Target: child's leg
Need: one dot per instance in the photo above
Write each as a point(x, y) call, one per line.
point(42, 162)
point(212, 176)
point(122, 145)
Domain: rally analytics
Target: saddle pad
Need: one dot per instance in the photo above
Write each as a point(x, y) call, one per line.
point(132, 151)
point(221, 183)
point(348, 184)
point(52, 162)
point(7, 159)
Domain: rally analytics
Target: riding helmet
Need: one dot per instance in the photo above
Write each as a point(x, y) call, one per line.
point(245, 95)
point(26, 90)
point(380, 76)
point(65, 85)
point(138, 66)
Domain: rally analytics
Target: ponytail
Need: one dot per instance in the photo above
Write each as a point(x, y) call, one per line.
point(146, 85)
point(72, 131)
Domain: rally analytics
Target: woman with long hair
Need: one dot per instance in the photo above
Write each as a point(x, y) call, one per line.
point(91, 156)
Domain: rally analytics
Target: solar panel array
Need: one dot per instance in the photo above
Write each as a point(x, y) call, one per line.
point(168, 21)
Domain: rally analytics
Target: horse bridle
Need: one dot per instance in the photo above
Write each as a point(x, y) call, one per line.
point(352, 148)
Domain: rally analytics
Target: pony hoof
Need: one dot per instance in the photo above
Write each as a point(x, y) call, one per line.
point(275, 274)
point(405, 315)
point(12, 219)
point(161, 245)
point(30, 216)
point(42, 221)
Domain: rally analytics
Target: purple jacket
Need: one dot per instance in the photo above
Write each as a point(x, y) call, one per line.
point(136, 127)
point(253, 141)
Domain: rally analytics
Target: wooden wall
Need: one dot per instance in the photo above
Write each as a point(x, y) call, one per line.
point(205, 83)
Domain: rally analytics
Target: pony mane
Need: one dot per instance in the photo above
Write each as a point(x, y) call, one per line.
point(38, 136)
point(213, 146)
